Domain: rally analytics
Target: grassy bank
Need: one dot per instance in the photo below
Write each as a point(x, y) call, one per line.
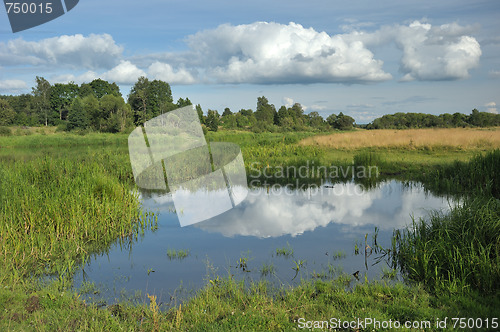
point(54, 211)
point(460, 251)
point(227, 305)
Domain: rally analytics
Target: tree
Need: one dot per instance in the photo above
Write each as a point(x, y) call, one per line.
point(200, 113)
point(315, 120)
point(228, 120)
point(7, 114)
point(42, 102)
point(77, 117)
point(227, 111)
point(95, 116)
point(102, 88)
point(62, 96)
point(343, 122)
point(212, 121)
point(149, 99)
point(265, 112)
point(331, 119)
point(183, 102)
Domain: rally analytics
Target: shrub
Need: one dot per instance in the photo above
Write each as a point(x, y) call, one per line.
point(5, 131)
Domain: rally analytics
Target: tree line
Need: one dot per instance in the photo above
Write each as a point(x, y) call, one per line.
point(100, 106)
point(446, 120)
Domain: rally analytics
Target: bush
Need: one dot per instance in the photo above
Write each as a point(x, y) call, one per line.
point(5, 131)
point(63, 126)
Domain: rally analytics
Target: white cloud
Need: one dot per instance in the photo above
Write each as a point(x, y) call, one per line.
point(125, 73)
point(264, 52)
point(261, 53)
point(165, 72)
point(491, 107)
point(445, 52)
point(94, 51)
point(287, 101)
point(12, 85)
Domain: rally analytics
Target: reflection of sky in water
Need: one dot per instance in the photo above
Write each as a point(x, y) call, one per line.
point(314, 224)
point(279, 211)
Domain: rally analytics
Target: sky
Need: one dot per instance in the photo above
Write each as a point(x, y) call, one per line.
point(362, 58)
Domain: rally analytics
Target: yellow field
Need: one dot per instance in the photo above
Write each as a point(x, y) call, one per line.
point(457, 138)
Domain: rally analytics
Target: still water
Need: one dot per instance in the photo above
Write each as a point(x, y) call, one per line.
point(319, 229)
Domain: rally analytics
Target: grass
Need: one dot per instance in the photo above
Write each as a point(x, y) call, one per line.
point(55, 211)
point(59, 205)
point(459, 251)
point(177, 254)
point(228, 304)
point(456, 252)
point(285, 251)
point(267, 269)
point(411, 139)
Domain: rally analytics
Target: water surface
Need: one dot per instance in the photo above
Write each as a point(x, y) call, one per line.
point(322, 226)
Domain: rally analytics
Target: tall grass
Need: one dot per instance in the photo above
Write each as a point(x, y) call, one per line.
point(457, 252)
point(481, 175)
point(57, 210)
point(410, 139)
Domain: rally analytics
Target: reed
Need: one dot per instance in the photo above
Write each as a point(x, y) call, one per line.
point(456, 252)
point(58, 210)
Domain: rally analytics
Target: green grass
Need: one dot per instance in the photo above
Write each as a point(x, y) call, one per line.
point(460, 251)
point(457, 252)
point(267, 269)
point(228, 304)
point(73, 196)
point(285, 251)
point(55, 211)
point(177, 254)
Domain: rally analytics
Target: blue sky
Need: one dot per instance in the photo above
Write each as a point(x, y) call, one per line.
point(363, 58)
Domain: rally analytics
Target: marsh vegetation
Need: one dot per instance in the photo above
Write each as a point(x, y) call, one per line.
point(73, 196)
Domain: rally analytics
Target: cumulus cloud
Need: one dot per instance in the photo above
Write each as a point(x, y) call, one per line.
point(12, 85)
point(491, 107)
point(94, 51)
point(264, 52)
point(125, 73)
point(165, 72)
point(445, 52)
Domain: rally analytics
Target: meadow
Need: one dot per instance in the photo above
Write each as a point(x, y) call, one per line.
point(64, 196)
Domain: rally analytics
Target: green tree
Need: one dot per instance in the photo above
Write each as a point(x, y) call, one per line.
point(61, 97)
point(149, 99)
point(183, 102)
point(212, 121)
point(7, 114)
point(265, 112)
point(343, 122)
point(227, 111)
point(200, 114)
point(77, 117)
point(228, 121)
point(103, 88)
point(95, 117)
point(315, 120)
point(42, 99)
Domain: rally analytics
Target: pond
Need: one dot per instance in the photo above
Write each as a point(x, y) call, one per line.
point(276, 234)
